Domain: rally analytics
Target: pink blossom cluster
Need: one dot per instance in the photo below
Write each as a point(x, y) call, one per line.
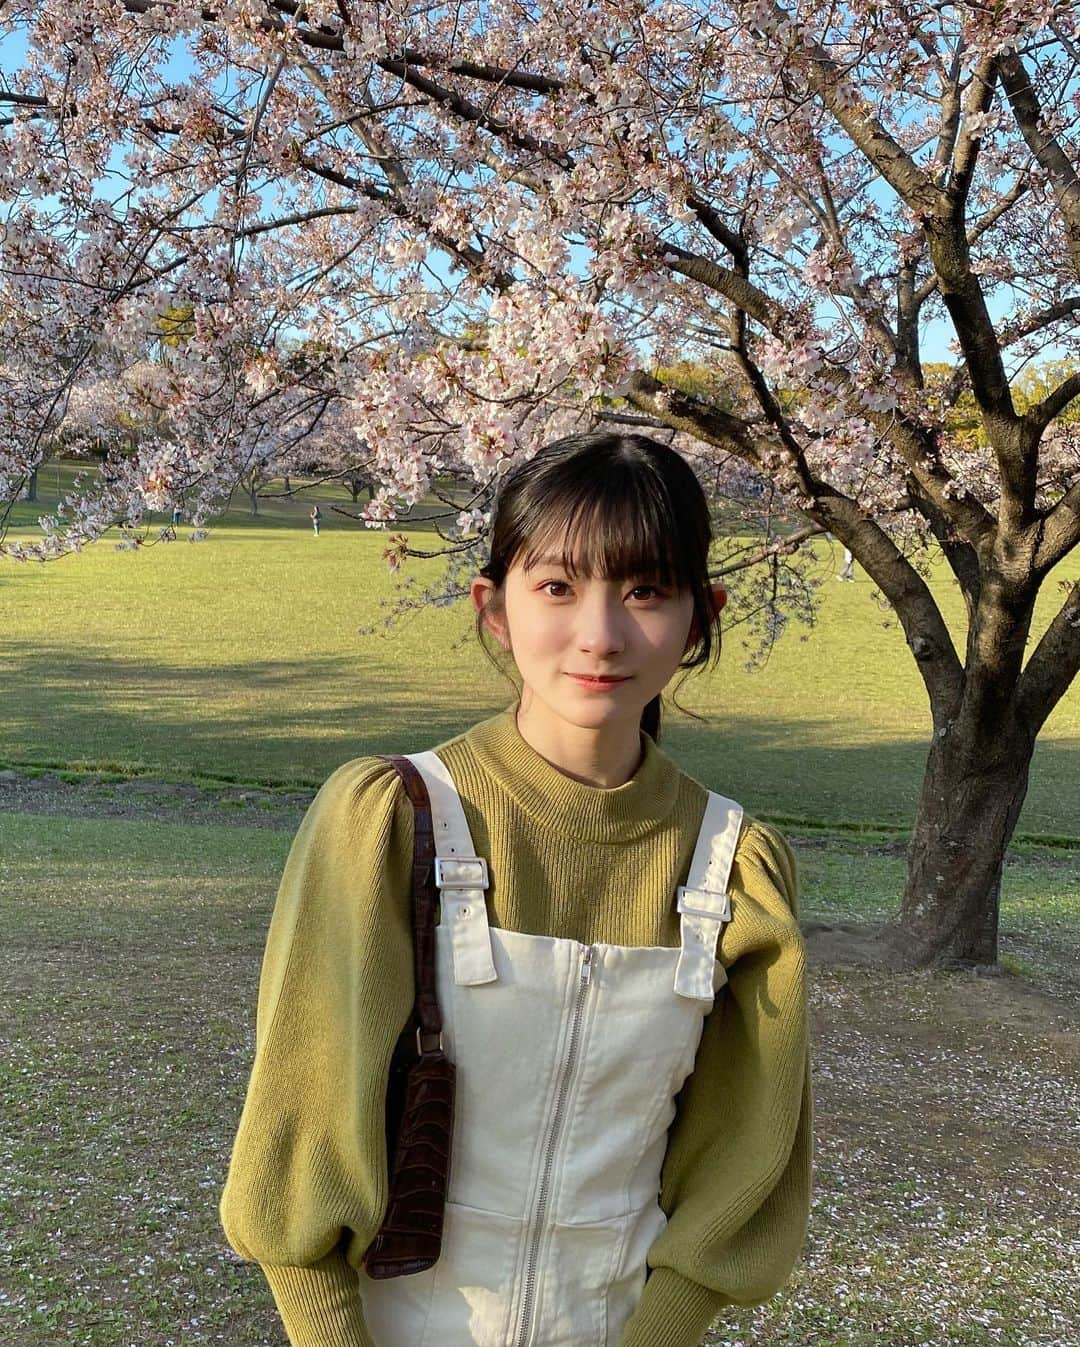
point(407, 241)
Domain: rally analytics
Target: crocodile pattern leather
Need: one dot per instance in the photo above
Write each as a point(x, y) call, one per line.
point(410, 1237)
point(420, 1088)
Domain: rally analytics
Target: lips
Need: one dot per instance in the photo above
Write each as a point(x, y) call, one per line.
point(599, 678)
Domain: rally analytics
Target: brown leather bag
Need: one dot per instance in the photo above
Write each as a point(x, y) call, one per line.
point(420, 1088)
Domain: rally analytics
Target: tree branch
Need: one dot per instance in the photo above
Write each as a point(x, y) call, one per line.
point(979, 97)
point(1020, 188)
point(326, 39)
point(632, 419)
point(364, 186)
point(471, 257)
point(926, 632)
point(1015, 446)
point(1044, 146)
point(469, 112)
point(951, 107)
point(715, 225)
point(887, 155)
point(918, 449)
point(962, 556)
point(1054, 403)
point(1053, 665)
point(789, 542)
point(1060, 531)
point(490, 74)
point(963, 297)
point(767, 400)
point(23, 100)
point(965, 511)
point(301, 217)
point(1011, 333)
point(741, 292)
point(986, 221)
point(682, 411)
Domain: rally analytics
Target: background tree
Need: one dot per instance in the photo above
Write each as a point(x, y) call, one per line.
point(496, 223)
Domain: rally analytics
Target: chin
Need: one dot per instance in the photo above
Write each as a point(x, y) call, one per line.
point(588, 717)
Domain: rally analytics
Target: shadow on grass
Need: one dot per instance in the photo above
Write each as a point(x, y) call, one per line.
point(294, 721)
point(154, 716)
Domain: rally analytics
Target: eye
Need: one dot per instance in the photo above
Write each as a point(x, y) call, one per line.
point(547, 583)
point(651, 589)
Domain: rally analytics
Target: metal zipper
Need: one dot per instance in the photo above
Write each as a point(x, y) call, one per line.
point(549, 1157)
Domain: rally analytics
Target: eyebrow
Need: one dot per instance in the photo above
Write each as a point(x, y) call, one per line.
point(557, 562)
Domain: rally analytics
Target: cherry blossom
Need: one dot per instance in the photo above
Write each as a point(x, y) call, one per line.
point(406, 242)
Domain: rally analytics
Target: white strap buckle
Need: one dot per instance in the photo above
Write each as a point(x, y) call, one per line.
point(704, 903)
point(461, 872)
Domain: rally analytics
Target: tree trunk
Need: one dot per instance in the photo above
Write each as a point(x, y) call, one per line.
point(975, 783)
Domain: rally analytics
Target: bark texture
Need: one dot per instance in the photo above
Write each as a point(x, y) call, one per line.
point(975, 783)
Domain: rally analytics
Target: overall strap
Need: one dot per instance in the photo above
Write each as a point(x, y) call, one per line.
point(460, 875)
point(703, 901)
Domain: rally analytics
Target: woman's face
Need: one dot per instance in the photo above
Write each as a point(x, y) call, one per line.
point(557, 627)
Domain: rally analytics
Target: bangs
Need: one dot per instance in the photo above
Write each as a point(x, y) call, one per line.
point(611, 506)
point(614, 530)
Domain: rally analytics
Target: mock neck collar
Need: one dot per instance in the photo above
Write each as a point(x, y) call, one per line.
point(555, 800)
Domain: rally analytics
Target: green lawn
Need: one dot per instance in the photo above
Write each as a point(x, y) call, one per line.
point(946, 1105)
point(242, 656)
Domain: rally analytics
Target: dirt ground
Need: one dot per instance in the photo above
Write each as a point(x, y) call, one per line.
point(947, 1119)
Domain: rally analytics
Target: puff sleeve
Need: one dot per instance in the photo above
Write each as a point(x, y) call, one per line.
point(306, 1185)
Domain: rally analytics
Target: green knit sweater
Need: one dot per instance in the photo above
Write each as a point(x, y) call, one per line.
point(306, 1187)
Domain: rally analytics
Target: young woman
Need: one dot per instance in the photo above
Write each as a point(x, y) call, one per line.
point(625, 1001)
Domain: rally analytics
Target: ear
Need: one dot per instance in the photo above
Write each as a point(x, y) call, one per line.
point(719, 599)
point(481, 591)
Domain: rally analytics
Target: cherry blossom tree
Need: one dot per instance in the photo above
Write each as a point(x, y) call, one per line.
point(483, 224)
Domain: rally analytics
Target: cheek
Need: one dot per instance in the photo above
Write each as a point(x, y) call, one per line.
point(669, 635)
point(541, 630)
point(534, 627)
point(670, 625)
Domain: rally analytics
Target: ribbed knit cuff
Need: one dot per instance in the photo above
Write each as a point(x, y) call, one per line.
point(672, 1312)
point(320, 1305)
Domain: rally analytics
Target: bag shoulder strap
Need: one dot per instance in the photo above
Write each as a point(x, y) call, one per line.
point(424, 901)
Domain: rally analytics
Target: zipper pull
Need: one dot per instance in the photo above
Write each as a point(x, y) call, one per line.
point(586, 966)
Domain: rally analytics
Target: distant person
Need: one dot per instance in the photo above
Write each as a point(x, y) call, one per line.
point(316, 515)
point(621, 972)
point(176, 516)
point(847, 571)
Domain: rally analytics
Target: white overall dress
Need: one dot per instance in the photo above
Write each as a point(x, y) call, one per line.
point(569, 1058)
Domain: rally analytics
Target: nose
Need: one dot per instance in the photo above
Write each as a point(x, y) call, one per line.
point(601, 625)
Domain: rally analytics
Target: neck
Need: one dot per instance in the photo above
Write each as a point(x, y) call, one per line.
point(604, 755)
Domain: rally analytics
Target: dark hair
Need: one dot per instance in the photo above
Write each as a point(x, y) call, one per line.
point(636, 509)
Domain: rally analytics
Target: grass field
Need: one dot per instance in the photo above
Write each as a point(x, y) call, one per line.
point(240, 657)
point(947, 1106)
